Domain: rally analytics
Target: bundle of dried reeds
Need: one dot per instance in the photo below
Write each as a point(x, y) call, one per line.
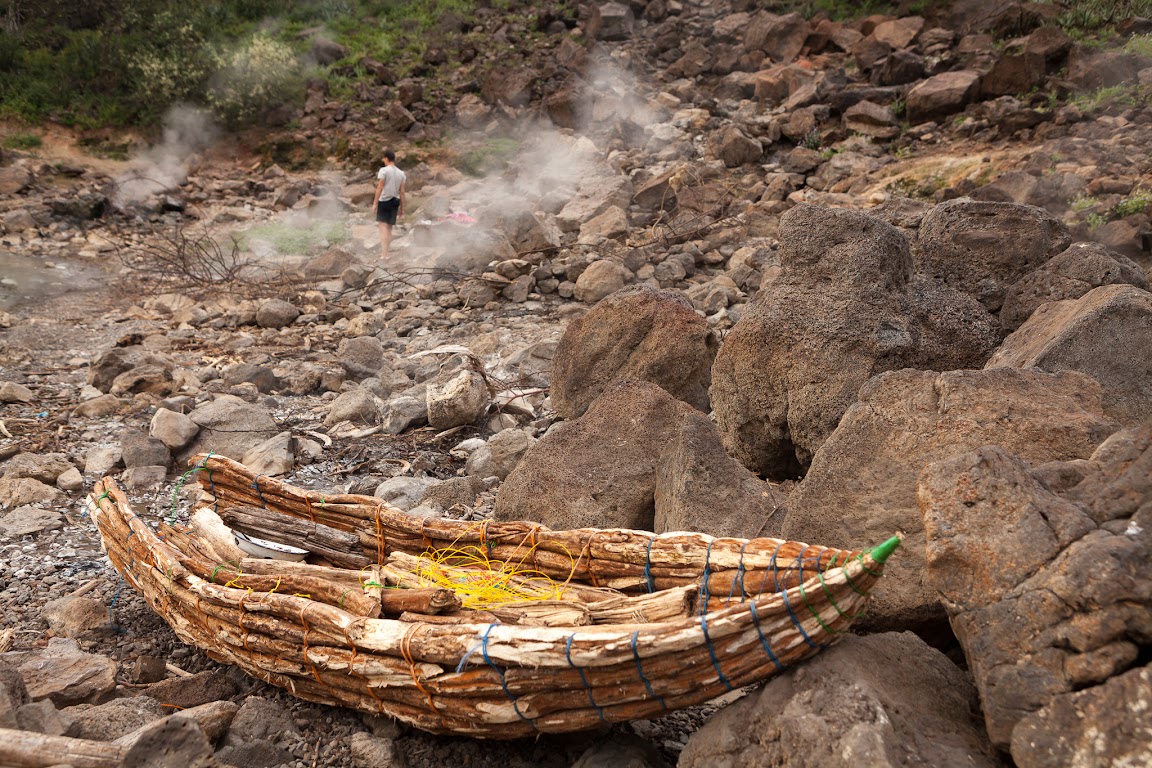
point(508, 670)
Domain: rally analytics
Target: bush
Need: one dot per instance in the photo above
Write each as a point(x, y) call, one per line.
point(22, 141)
point(254, 78)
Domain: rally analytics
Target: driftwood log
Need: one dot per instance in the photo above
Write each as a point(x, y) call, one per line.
point(657, 647)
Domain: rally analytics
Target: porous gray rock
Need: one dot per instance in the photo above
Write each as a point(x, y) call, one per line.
point(108, 722)
point(358, 406)
point(24, 491)
point(1046, 572)
point(230, 427)
point(260, 719)
point(274, 456)
point(361, 356)
point(27, 520)
point(904, 420)
point(248, 373)
point(370, 751)
point(173, 429)
point(600, 279)
point(568, 479)
point(1106, 333)
point(639, 333)
point(139, 450)
point(983, 248)
point(844, 307)
point(45, 467)
point(11, 392)
point(500, 455)
point(1068, 275)
point(404, 492)
point(276, 313)
point(885, 700)
point(456, 398)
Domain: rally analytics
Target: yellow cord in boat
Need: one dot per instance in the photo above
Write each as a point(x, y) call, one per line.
point(481, 582)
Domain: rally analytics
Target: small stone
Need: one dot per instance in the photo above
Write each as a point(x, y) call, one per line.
point(11, 392)
point(70, 480)
point(175, 430)
point(276, 313)
point(102, 459)
point(144, 478)
point(76, 616)
point(374, 752)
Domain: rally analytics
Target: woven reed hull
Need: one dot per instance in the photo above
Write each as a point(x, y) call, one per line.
point(496, 680)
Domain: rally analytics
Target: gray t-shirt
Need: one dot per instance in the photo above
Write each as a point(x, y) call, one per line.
point(393, 180)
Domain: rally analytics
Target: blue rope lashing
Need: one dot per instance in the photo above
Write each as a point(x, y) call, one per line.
point(500, 671)
point(583, 679)
point(640, 671)
point(712, 652)
point(791, 615)
point(763, 640)
point(259, 492)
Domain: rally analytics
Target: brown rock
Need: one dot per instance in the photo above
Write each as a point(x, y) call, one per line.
point(982, 248)
point(700, 488)
point(942, 95)
point(1106, 334)
point(76, 616)
point(568, 480)
point(904, 420)
point(844, 308)
point(68, 676)
point(1069, 274)
point(24, 491)
point(732, 147)
point(1013, 74)
point(1118, 717)
point(185, 692)
point(898, 33)
point(887, 700)
point(602, 278)
point(1047, 588)
point(638, 333)
point(872, 120)
point(780, 37)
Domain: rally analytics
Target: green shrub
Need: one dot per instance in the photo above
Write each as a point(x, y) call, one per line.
point(1136, 202)
point(255, 77)
point(22, 141)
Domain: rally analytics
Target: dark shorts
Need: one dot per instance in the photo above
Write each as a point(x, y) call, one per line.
point(386, 210)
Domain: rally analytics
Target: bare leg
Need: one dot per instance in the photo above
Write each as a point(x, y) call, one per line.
point(385, 239)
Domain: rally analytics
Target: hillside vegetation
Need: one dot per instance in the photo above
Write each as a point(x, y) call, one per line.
point(114, 63)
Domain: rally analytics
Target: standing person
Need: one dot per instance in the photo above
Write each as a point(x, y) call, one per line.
point(389, 199)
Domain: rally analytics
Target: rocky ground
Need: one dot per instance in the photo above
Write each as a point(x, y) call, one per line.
point(901, 262)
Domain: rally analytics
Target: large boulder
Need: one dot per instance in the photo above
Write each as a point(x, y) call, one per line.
point(638, 333)
point(597, 193)
point(1106, 333)
point(230, 427)
point(941, 95)
point(887, 701)
point(666, 470)
point(700, 488)
point(781, 38)
point(861, 487)
point(983, 248)
point(569, 480)
point(1055, 734)
point(844, 308)
point(1046, 573)
point(1068, 275)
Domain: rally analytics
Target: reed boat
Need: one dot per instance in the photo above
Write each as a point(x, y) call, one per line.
point(487, 629)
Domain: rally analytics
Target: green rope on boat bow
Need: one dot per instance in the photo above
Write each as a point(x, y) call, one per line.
point(881, 553)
